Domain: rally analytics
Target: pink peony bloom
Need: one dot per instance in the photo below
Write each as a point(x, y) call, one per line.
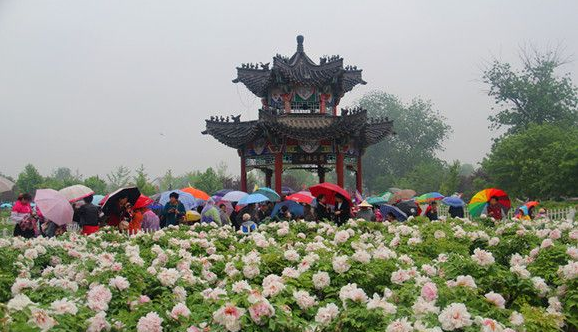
point(399, 325)
point(326, 314)
point(150, 323)
point(321, 280)
point(429, 291)
point(497, 299)
point(98, 323)
point(229, 316)
point(179, 310)
point(41, 319)
point(455, 316)
point(260, 310)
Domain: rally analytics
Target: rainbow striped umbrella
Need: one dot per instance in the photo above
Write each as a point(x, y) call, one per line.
point(481, 199)
point(429, 197)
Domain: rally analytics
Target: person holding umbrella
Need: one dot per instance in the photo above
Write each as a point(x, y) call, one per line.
point(173, 211)
point(431, 212)
point(225, 219)
point(322, 210)
point(87, 216)
point(494, 209)
point(22, 216)
point(342, 210)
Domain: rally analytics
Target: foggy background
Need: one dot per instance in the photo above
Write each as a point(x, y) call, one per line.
point(91, 85)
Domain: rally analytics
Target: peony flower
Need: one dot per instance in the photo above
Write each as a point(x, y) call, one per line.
point(261, 309)
point(240, 286)
point(150, 323)
point(19, 302)
point(251, 271)
point(361, 256)
point(229, 316)
point(304, 300)
point(291, 255)
point(321, 280)
point(41, 319)
point(516, 318)
point(64, 306)
point(439, 234)
point(429, 291)
point(497, 299)
point(341, 236)
point(380, 303)
point(482, 257)
point(98, 323)
point(421, 307)
point(546, 243)
point(180, 309)
point(119, 283)
point(399, 325)
point(340, 264)
point(490, 325)
point(168, 277)
point(455, 316)
point(326, 314)
point(98, 298)
point(400, 276)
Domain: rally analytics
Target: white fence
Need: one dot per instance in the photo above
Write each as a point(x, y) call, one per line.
point(554, 214)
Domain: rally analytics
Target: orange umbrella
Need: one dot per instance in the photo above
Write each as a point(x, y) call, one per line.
point(197, 193)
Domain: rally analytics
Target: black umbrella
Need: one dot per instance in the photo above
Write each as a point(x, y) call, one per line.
point(408, 207)
point(111, 203)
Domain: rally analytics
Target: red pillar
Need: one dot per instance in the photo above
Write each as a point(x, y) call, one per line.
point(243, 171)
point(339, 169)
point(358, 176)
point(278, 171)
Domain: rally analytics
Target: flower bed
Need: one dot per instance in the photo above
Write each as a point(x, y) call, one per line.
point(454, 275)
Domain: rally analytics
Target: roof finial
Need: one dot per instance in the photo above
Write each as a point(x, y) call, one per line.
point(300, 43)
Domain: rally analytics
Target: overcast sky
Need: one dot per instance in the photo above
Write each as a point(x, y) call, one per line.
point(91, 84)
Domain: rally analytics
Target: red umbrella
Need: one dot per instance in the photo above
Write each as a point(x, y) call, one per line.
point(531, 204)
point(329, 190)
point(142, 201)
point(301, 197)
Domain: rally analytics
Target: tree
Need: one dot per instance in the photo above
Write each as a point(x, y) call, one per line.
point(208, 181)
point(61, 177)
point(118, 178)
point(420, 132)
point(540, 162)
point(29, 180)
point(533, 95)
point(97, 184)
point(141, 180)
point(425, 177)
point(168, 181)
point(451, 179)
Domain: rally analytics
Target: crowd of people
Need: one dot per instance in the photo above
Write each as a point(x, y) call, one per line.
point(141, 216)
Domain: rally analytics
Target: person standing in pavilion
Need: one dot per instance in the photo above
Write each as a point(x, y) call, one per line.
point(322, 210)
point(342, 210)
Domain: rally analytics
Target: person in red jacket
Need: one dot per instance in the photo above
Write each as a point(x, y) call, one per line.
point(494, 209)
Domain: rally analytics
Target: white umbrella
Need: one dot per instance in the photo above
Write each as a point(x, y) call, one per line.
point(76, 192)
point(5, 184)
point(234, 196)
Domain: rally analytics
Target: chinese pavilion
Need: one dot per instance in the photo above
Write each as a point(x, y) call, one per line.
point(299, 126)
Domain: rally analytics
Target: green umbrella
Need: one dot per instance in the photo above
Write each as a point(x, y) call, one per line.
point(376, 200)
point(386, 195)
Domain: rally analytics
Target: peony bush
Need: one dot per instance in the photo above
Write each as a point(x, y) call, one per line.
point(446, 275)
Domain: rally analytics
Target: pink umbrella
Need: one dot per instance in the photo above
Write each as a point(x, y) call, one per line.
point(76, 192)
point(54, 206)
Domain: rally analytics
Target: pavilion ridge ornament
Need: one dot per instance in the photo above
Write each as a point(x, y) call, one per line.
point(300, 124)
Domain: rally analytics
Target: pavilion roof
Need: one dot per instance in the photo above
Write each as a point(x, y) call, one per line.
point(352, 123)
point(300, 69)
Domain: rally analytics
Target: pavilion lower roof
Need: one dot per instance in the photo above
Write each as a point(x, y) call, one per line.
point(304, 127)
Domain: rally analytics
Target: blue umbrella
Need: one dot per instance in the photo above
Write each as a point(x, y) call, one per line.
point(399, 215)
point(6, 206)
point(96, 199)
point(295, 208)
point(271, 194)
point(253, 198)
point(453, 201)
point(188, 200)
